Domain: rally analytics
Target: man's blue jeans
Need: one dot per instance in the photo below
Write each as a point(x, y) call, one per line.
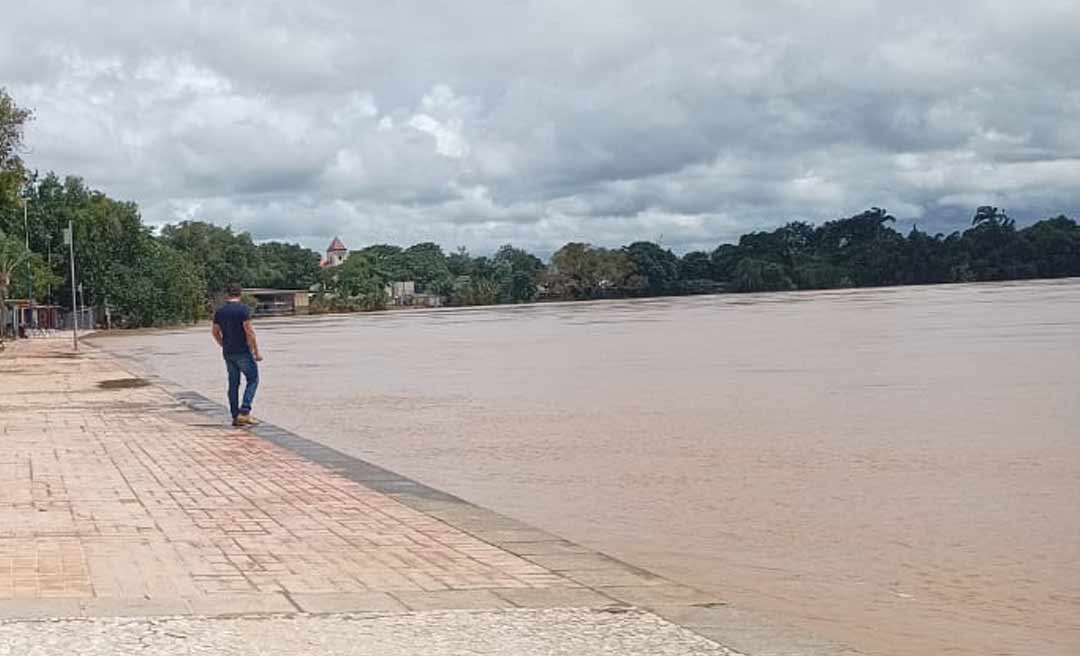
point(241, 363)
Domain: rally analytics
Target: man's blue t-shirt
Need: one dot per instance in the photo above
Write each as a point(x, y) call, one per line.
point(231, 317)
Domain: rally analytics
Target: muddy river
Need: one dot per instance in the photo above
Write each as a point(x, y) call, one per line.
point(897, 469)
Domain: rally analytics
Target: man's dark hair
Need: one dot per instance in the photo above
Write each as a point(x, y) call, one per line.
point(233, 290)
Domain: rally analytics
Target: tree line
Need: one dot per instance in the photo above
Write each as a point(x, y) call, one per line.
point(150, 278)
point(859, 251)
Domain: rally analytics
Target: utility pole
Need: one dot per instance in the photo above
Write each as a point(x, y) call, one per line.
point(29, 269)
point(69, 238)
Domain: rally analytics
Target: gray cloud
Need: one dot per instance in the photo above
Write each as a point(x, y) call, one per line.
point(539, 123)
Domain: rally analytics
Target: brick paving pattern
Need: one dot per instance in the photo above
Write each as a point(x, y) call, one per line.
point(121, 499)
point(120, 492)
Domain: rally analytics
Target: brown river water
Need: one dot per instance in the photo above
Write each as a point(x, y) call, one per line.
point(897, 469)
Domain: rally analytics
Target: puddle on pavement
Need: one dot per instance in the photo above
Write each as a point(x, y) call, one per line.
point(123, 383)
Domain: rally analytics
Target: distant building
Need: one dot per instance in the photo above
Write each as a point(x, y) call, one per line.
point(336, 254)
point(399, 292)
point(403, 294)
point(21, 312)
point(43, 316)
point(270, 302)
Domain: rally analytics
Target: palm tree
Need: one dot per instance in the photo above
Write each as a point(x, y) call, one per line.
point(993, 216)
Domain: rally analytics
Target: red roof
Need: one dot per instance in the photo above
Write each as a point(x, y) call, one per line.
point(336, 245)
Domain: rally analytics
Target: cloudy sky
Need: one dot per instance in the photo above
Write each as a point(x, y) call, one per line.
point(539, 122)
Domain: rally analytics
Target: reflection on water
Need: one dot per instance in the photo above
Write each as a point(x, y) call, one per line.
point(895, 468)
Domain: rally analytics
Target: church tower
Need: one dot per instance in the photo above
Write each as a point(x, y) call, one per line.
point(335, 253)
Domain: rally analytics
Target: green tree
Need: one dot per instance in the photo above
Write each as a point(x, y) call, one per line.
point(814, 273)
point(1055, 245)
point(223, 256)
point(106, 233)
point(753, 275)
point(13, 254)
point(13, 120)
point(995, 249)
point(992, 216)
point(357, 283)
point(521, 275)
point(157, 287)
point(118, 260)
point(929, 259)
point(427, 265)
point(45, 280)
point(459, 262)
point(722, 262)
point(582, 271)
point(424, 263)
point(695, 265)
point(388, 261)
point(572, 272)
point(657, 267)
point(482, 285)
point(285, 266)
point(867, 250)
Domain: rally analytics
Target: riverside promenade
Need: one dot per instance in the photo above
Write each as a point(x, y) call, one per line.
point(134, 520)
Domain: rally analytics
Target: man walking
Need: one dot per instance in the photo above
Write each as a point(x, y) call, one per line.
point(236, 336)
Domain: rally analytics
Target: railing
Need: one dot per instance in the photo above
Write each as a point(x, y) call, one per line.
point(85, 319)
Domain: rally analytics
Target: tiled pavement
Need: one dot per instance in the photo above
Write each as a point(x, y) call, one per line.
point(121, 498)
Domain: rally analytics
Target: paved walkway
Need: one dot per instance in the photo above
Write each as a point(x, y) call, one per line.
point(121, 499)
point(521, 632)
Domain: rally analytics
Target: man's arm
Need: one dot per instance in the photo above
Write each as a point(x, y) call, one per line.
point(218, 337)
point(253, 344)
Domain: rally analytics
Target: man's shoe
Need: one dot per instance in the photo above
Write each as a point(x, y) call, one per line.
point(236, 422)
point(245, 420)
